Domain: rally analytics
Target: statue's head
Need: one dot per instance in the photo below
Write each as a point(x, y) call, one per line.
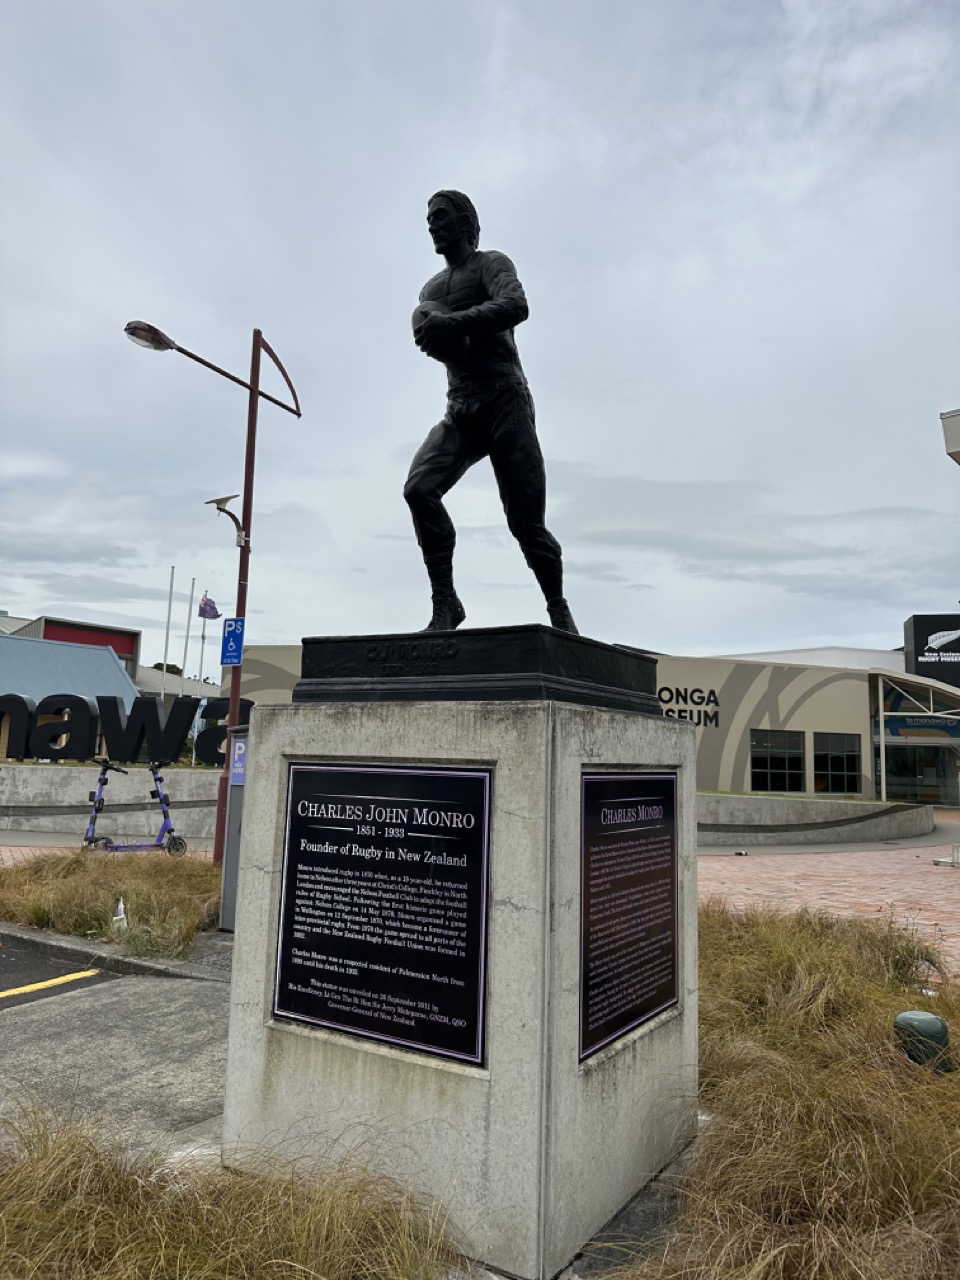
point(463, 219)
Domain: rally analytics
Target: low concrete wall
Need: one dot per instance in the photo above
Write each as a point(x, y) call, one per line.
point(54, 797)
point(735, 819)
point(51, 797)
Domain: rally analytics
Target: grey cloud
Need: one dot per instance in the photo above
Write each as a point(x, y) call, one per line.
point(866, 517)
point(715, 545)
point(597, 570)
point(17, 465)
point(90, 588)
point(698, 521)
point(485, 533)
point(35, 547)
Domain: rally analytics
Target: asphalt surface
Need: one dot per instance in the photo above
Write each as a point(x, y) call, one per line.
point(143, 1051)
point(27, 975)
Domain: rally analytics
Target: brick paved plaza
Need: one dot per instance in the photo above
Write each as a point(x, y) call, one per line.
point(901, 883)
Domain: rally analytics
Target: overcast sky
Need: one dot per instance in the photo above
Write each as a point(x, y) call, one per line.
point(736, 223)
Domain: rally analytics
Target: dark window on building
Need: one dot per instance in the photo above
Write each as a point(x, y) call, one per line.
point(836, 762)
point(776, 760)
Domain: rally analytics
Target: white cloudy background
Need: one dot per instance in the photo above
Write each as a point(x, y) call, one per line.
point(736, 222)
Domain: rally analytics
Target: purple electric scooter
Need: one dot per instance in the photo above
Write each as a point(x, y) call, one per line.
point(166, 839)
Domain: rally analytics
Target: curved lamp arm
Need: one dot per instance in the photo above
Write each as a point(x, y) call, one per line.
point(283, 374)
point(224, 510)
point(148, 335)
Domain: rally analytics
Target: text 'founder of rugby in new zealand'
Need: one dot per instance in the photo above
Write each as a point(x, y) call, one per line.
point(465, 319)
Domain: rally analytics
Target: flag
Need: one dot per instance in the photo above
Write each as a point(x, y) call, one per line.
point(208, 607)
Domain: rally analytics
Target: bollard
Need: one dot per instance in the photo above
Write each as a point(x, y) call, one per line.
point(924, 1038)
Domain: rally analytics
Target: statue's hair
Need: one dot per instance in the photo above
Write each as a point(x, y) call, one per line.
point(464, 206)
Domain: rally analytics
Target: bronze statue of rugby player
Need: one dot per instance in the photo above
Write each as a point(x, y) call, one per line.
point(465, 319)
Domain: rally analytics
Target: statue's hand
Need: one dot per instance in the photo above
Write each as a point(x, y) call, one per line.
point(431, 331)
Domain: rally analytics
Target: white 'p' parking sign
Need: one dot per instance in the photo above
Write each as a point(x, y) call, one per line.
point(231, 649)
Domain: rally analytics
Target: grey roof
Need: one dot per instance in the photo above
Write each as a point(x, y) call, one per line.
point(8, 624)
point(841, 656)
point(149, 681)
point(36, 668)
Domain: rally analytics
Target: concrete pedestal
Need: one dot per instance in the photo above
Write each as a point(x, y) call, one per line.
point(535, 1150)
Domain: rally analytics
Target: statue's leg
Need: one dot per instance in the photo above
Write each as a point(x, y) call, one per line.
point(437, 465)
point(521, 478)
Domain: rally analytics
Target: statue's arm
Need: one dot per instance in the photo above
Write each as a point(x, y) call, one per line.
point(506, 306)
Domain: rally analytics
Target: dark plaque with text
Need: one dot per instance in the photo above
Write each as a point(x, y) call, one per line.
point(383, 909)
point(629, 915)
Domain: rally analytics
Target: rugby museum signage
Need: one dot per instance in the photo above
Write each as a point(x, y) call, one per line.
point(931, 646)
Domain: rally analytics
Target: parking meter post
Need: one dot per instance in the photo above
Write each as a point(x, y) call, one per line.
point(237, 765)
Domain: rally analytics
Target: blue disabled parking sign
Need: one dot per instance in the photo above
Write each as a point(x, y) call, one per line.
point(231, 650)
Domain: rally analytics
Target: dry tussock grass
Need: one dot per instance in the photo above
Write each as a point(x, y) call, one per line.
point(74, 1208)
point(167, 900)
point(830, 1156)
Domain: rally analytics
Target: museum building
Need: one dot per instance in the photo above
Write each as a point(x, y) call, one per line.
point(811, 722)
point(805, 722)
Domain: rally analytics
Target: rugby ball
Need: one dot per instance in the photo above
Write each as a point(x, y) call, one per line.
point(453, 348)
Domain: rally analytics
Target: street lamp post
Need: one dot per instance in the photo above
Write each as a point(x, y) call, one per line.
point(146, 335)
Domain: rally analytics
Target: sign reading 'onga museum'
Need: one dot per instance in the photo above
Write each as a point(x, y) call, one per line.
point(629, 908)
point(383, 913)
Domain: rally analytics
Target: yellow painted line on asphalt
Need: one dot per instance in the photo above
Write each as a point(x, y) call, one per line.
point(50, 982)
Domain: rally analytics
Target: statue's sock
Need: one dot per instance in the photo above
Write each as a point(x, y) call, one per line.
point(549, 574)
point(440, 572)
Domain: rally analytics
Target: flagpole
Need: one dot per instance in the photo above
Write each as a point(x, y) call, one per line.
point(203, 641)
point(186, 638)
point(166, 638)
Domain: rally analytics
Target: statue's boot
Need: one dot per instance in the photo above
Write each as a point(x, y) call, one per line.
point(448, 613)
point(560, 615)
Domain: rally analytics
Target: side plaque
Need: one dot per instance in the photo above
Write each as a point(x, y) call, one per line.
point(383, 910)
point(629, 887)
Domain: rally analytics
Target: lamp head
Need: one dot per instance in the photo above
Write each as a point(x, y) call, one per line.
point(221, 503)
point(148, 335)
point(951, 433)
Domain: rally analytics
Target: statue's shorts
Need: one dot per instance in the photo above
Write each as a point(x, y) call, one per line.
point(495, 422)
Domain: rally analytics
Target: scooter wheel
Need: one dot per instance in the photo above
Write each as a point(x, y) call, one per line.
point(176, 846)
point(102, 842)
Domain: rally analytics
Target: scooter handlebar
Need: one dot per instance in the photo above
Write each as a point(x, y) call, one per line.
point(105, 764)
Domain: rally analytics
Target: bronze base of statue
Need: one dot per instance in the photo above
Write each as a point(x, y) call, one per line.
point(478, 664)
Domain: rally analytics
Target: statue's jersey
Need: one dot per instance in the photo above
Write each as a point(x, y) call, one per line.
point(487, 300)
